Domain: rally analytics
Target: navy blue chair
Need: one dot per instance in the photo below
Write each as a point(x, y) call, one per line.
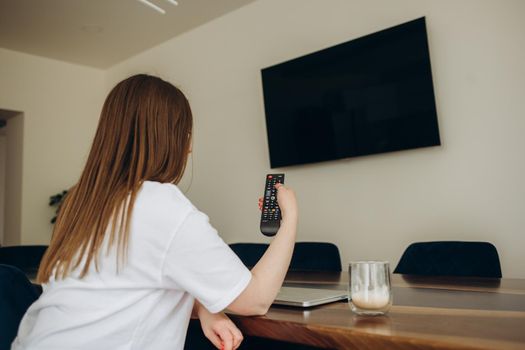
point(450, 258)
point(249, 253)
point(315, 256)
point(27, 257)
point(307, 256)
point(16, 295)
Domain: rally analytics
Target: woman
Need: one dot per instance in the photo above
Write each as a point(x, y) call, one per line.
point(130, 256)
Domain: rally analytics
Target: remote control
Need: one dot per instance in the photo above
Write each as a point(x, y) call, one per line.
point(271, 213)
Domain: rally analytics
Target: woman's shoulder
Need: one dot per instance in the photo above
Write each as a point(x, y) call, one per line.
point(163, 197)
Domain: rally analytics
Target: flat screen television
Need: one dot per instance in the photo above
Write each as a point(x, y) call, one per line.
point(370, 95)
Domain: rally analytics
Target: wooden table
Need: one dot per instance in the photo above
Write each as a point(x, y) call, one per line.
point(428, 313)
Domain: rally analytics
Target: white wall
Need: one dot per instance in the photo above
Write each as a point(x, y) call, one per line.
point(372, 207)
point(471, 188)
point(61, 103)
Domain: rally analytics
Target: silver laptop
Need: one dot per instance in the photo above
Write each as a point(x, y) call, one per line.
point(306, 297)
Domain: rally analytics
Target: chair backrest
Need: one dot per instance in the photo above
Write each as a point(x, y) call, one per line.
point(249, 253)
point(26, 258)
point(16, 295)
point(307, 256)
point(315, 256)
point(450, 258)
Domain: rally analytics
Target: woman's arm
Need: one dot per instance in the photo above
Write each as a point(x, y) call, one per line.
point(268, 274)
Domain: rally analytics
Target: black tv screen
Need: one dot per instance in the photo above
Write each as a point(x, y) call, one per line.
point(370, 95)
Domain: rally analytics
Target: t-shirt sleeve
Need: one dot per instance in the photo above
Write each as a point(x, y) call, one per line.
point(201, 263)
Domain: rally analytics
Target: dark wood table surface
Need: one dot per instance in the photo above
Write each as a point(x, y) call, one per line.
point(428, 313)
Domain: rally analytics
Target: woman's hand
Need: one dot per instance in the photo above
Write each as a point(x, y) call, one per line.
point(219, 329)
point(286, 200)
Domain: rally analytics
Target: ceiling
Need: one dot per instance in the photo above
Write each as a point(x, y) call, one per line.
point(100, 33)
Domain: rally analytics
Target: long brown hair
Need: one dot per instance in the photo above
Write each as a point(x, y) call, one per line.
point(144, 133)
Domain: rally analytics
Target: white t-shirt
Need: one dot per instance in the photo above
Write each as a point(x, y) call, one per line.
point(174, 256)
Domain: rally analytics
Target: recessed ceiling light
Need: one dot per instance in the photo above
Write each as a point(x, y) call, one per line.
point(156, 7)
point(153, 6)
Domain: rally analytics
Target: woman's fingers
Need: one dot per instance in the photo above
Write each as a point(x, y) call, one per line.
point(287, 201)
point(237, 337)
point(214, 338)
point(226, 337)
point(230, 336)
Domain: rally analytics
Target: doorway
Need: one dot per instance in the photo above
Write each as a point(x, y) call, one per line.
point(11, 144)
